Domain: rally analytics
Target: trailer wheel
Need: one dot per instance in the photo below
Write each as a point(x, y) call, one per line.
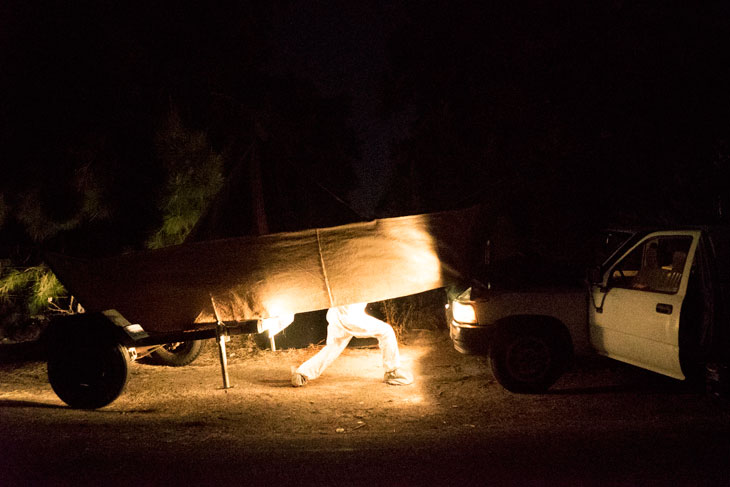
point(88, 375)
point(529, 360)
point(178, 354)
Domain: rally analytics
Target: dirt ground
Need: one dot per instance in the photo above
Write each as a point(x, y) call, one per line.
point(604, 423)
point(350, 396)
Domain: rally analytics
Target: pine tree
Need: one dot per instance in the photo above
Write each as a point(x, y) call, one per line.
point(30, 218)
point(194, 175)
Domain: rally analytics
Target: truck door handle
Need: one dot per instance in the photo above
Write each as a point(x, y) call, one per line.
point(664, 308)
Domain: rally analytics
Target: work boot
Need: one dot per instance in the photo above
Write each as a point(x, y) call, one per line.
point(398, 377)
point(297, 379)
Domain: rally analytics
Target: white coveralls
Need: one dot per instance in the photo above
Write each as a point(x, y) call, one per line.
point(345, 322)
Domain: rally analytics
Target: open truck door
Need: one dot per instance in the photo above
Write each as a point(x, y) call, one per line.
point(635, 312)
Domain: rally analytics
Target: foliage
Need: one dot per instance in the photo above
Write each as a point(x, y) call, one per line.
point(53, 209)
point(55, 203)
point(422, 311)
point(37, 286)
point(194, 175)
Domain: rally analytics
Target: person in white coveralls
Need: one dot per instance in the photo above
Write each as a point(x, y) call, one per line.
point(345, 322)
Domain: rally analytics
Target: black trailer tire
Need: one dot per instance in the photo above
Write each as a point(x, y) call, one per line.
point(178, 354)
point(88, 375)
point(529, 359)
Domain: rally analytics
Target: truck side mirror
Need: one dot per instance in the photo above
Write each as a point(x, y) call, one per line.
point(595, 276)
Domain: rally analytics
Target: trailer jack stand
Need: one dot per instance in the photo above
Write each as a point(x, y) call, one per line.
point(221, 337)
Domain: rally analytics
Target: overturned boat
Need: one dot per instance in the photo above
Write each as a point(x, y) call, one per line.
point(240, 285)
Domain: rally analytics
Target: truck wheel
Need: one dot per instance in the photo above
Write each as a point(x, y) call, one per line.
point(178, 354)
point(88, 375)
point(529, 361)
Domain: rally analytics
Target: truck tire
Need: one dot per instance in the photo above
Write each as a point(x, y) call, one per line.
point(529, 359)
point(178, 354)
point(87, 367)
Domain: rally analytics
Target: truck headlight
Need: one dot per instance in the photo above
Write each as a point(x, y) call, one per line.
point(463, 313)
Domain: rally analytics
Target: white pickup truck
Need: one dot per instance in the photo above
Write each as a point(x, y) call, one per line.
point(656, 302)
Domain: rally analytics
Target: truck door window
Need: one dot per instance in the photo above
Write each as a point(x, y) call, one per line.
point(656, 265)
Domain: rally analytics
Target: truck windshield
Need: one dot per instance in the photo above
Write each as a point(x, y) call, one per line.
point(608, 242)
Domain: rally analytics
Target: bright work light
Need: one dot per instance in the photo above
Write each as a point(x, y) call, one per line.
point(464, 313)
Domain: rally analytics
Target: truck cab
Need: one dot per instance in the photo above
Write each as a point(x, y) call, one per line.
point(654, 302)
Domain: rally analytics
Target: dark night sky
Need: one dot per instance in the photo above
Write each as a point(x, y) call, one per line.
point(551, 106)
point(341, 47)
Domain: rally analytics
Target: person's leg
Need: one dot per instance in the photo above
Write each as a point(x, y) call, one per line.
point(395, 374)
point(364, 325)
point(337, 340)
point(385, 335)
